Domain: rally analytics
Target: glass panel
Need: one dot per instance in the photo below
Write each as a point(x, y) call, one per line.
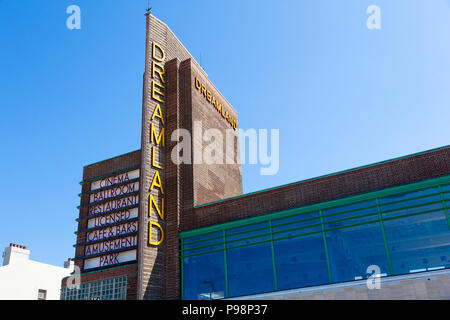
point(244, 242)
point(281, 229)
point(419, 209)
point(419, 242)
point(353, 250)
point(247, 231)
point(292, 219)
point(250, 270)
point(446, 195)
point(295, 233)
point(446, 187)
point(249, 234)
point(301, 262)
point(42, 294)
point(99, 290)
point(353, 206)
point(351, 214)
point(295, 224)
point(204, 277)
point(349, 222)
point(204, 250)
point(409, 195)
point(408, 203)
point(201, 243)
point(202, 237)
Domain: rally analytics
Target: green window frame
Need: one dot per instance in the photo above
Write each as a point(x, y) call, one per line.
point(214, 238)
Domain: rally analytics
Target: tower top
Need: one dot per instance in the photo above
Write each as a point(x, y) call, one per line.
point(149, 9)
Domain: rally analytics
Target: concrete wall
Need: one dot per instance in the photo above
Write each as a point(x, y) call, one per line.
point(423, 286)
point(21, 278)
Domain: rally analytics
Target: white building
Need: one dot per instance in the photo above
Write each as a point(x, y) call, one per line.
point(25, 279)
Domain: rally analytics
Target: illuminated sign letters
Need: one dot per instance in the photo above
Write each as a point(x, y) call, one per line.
point(110, 259)
point(114, 192)
point(113, 205)
point(157, 141)
point(114, 217)
point(110, 245)
point(215, 102)
point(113, 231)
point(113, 202)
point(113, 180)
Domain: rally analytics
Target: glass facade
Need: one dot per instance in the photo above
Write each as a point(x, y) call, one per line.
point(399, 230)
point(250, 269)
point(108, 289)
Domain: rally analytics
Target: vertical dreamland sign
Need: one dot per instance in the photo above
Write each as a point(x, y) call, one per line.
point(111, 236)
point(133, 215)
point(166, 188)
point(151, 253)
point(162, 47)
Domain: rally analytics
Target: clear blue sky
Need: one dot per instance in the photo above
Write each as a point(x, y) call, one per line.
point(342, 96)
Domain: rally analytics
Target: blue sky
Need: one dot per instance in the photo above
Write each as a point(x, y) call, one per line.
point(342, 95)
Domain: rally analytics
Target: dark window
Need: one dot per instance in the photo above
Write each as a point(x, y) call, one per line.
point(418, 243)
point(248, 235)
point(42, 294)
point(310, 218)
point(301, 262)
point(108, 289)
point(250, 270)
point(404, 196)
point(291, 250)
point(204, 277)
point(352, 250)
point(355, 209)
point(296, 226)
point(421, 204)
point(209, 238)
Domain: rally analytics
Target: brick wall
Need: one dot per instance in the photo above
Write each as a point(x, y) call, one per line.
point(173, 184)
point(392, 173)
point(188, 187)
point(158, 269)
point(153, 259)
point(92, 171)
point(212, 182)
point(185, 185)
point(151, 280)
